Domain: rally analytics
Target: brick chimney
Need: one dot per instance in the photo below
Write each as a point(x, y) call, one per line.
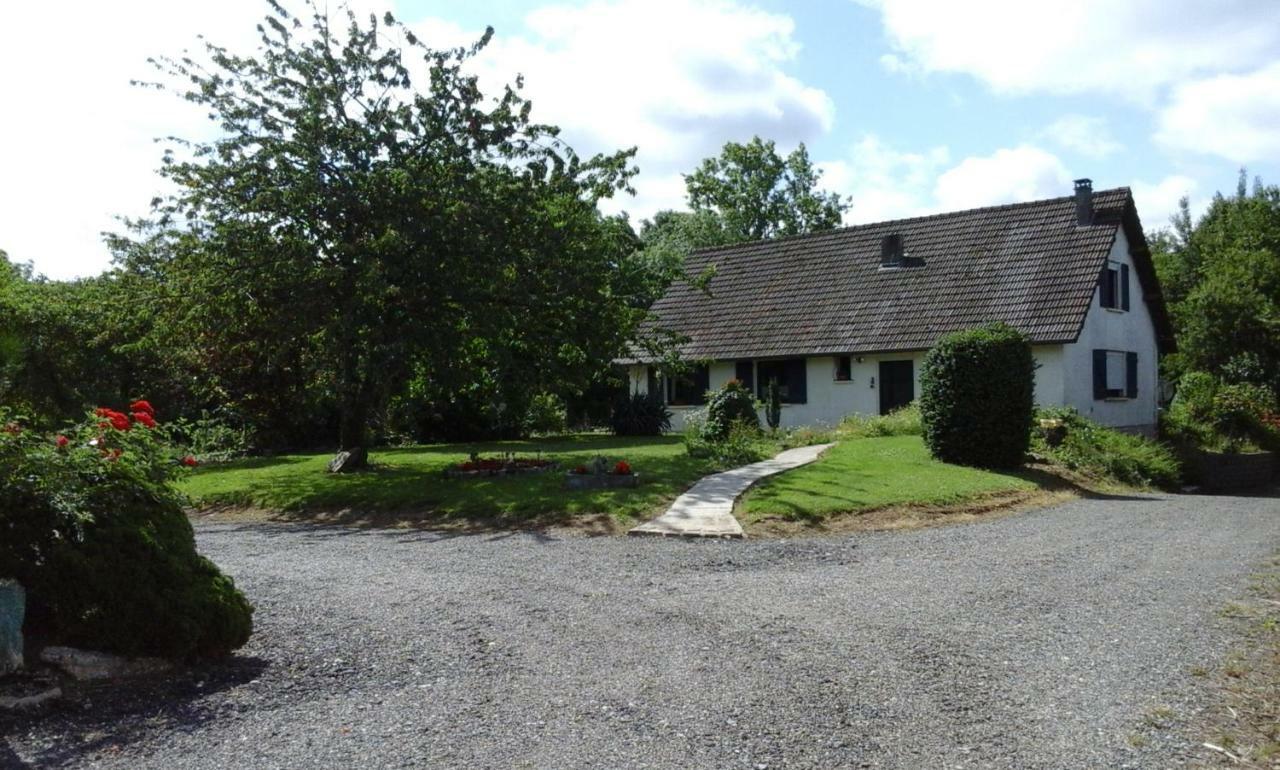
point(1084, 202)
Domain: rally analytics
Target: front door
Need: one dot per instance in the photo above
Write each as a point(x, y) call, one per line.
point(897, 385)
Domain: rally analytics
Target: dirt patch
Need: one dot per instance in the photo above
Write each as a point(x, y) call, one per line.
point(897, 517)
point(1242, 728)
point(576, 525)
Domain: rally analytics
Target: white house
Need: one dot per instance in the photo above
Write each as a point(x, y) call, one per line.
point(842, 319)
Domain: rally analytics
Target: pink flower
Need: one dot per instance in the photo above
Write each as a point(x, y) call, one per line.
point(62, 442)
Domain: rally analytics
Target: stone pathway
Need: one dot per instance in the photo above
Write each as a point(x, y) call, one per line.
point(706, 510)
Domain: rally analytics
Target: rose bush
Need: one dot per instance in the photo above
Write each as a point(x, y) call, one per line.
point(92, 527)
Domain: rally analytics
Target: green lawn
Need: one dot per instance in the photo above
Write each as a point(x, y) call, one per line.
point(410, 482)
point(866, 473)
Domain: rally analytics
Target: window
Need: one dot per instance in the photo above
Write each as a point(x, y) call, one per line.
point(791, 377)
point(844, 368)
point(1115, 374)
point(690, 388)
point(744, 371)
point(1113, 286)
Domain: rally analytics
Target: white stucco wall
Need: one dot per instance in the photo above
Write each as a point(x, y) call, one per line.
point(1064, 373)
point(1115, 330)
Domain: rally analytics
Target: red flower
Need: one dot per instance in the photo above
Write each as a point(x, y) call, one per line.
point(623, 468)
point(144, 418)
point(142, 406)
point(581, 470)
point(114, 419)
point(190, 461)
point(62, 442)
point(102, 411)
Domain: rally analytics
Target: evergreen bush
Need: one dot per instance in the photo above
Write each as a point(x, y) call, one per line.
point(95, 532)
point(977, 397)
point(640, 414)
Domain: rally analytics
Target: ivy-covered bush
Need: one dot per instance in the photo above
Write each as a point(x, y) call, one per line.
point(92, 527)
point(1102, 452)
point(640, 414)
point(731, 405)
point(976, 397)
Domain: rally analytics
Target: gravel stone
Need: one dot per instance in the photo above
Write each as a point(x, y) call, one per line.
point(1043, 640)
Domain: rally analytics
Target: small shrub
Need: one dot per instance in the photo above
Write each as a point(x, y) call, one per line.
point(742, 446)
point(211, 438)
point(1238, 409)
point(806, 435)
point(904, 421)
point(731, 405)
point(92, 527)
point(1194, 399)
point(546, 415)
point(640, 414)
point(1101, 452)
point(976, 400)
point(773, 404)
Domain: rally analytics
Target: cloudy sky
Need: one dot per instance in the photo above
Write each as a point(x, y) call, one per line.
point(909, 106)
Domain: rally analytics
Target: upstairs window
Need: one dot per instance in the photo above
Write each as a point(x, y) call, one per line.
point(790, 375)
point(1115, 374)
point(844, 368)
point(690, 388)
point(1113, 286)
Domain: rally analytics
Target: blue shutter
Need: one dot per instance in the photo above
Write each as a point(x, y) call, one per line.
point(1099, 374)
point(1124, 287)
point(1131, 375)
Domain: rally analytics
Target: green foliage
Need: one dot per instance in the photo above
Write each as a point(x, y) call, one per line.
point(758, 194)
point(904, 421)
point(1105, 453)
point(1212, 415)
point(976, 400)
point(546, 415)
point(773, 404)
point(93, 529)
point(211, 438)
point(640, 414)
point(1239, 408)
point(727, 407)
point(353, 227)
point(1221, 278)
point(741, 445)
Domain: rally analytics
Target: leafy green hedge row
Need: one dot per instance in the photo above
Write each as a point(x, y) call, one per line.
point(977, 397)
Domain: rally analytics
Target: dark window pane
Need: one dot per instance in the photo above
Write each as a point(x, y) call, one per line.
point(743, 372)
point(844, 368)
point(790, 375)
point(690, 388)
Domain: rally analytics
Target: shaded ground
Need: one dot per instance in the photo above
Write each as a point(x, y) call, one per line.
point(1043, 640)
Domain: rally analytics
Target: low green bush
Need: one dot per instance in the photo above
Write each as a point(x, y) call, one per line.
point(546, 415)
point(731, 405)
point(904, 421)
point(1102, 452)
point(1208, 414)
point(976, 397)
point(93, 529)
point(215, 438)
point(640, 414)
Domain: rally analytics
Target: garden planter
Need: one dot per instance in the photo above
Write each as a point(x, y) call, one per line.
point(600, 480)
point(13, 603)
point(495, 468)
point(1219, 472)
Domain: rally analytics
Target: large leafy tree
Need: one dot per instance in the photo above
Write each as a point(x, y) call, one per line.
point(1221, 276)
point(368, 215)
point(758, 193)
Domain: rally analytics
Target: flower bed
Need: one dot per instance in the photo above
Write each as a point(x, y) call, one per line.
point(505, 466)
point(598, 475)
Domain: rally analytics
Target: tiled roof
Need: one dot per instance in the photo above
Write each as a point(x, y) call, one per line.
point(1027, 264)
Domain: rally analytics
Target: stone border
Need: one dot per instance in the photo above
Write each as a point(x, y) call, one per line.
point(601, 480)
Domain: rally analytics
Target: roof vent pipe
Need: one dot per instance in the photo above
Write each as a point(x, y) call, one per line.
point(1084, 202)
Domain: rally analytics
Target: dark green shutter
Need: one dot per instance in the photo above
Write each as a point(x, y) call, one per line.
point(702, 383)
point(652, 383)
point(1106, 289)
point(1124, 287)
point(742, 371)
point(1099, 374)
point(1131, 375)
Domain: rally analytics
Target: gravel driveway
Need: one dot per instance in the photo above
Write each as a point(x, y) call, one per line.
point(1039, 640)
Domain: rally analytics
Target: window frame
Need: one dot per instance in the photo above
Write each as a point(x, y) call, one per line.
point(693, 384)
point(843, 365)
point(1113, 287)
point(765, 371)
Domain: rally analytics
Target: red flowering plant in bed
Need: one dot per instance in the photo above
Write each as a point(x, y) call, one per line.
point(508, 463)
point(622, 468)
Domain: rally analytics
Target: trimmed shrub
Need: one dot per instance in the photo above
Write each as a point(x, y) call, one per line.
point(731, 405)
point(546, 415)
point(640, 414)
point(91, 526)
point(742, 445)
point(1101, 452)
point(976, 397)
point(773, 404)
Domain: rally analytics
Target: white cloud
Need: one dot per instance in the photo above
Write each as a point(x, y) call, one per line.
point(677, 79)
point(1234, 116)
point(1088, 135)
point(1129, 48)
point(1008, 175)
point(884, 183)
point(1157, 201)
